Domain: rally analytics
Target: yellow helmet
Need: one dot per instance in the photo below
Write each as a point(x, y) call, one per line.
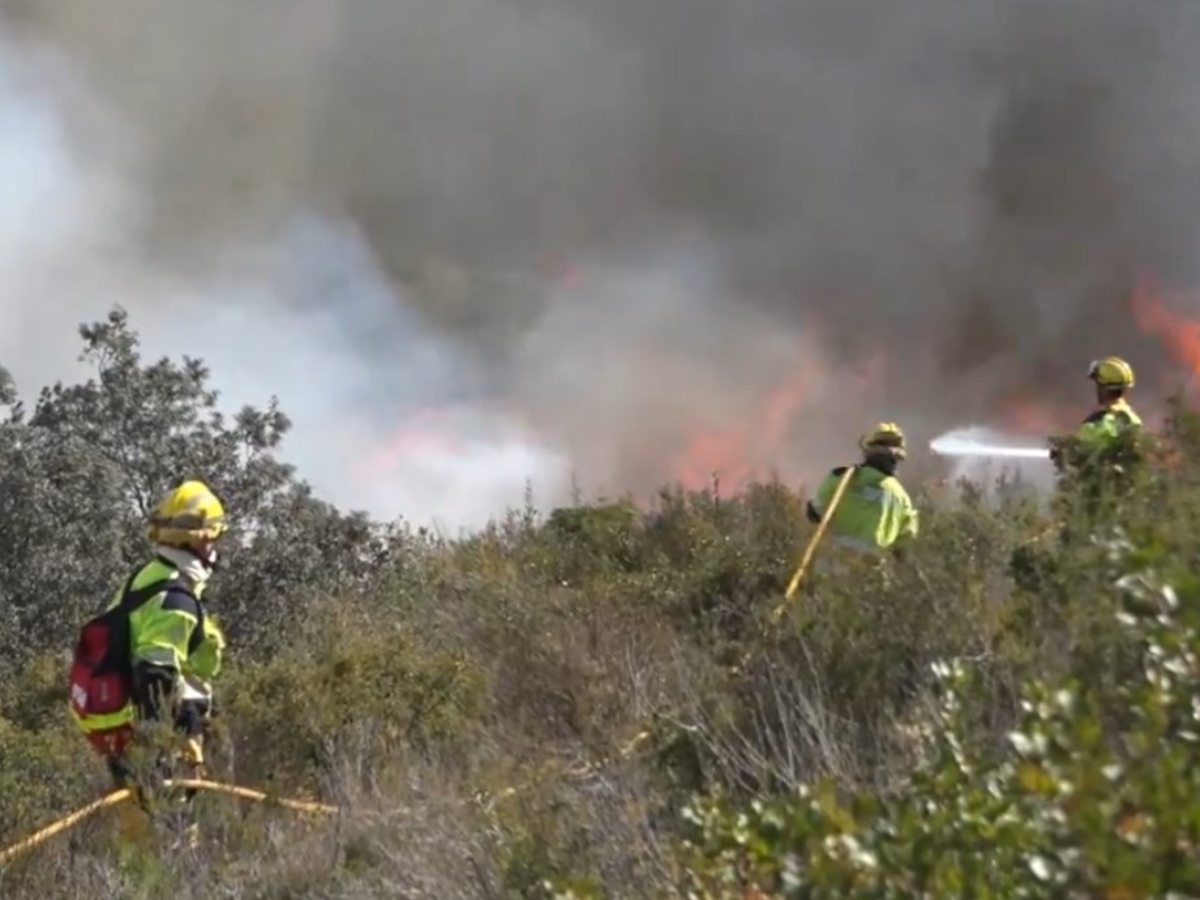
point(886, 437)
point(1111, 372)
point(189, 515)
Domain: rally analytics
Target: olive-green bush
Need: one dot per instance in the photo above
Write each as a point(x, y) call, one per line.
point(590, 702)
point(1073, 805)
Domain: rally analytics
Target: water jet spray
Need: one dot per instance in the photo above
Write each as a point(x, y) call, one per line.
point(972, 442)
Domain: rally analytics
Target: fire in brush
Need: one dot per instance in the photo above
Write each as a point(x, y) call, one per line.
point(1174, 318)
point(761, 443)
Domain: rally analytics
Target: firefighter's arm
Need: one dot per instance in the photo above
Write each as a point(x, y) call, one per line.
point(909, 522)
point(1097, 430)
point(820, 502)
point(205, 661)
point(1067, 451)
point(912, 520)
point(1093, 432)
point(906, 512)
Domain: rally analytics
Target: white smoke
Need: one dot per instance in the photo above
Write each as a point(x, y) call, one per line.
point(286, 316)
point(970, 180)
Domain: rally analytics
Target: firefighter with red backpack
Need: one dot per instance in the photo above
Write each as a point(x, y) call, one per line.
point(151, 655)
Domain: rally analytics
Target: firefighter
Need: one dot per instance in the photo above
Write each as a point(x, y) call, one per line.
point(1113, 417)
point(175, 648)
point(1097, 461)
point(875, 512)
point(1108, 442)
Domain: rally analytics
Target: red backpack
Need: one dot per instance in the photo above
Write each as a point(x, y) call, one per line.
point(100, 681)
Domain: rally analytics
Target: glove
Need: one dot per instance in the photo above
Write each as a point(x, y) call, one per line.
point(1056, 450)
point(197, 689)
point(197, 698)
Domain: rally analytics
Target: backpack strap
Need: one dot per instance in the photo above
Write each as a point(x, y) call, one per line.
point(132, 600)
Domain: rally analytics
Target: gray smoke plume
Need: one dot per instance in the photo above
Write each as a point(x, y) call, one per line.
point(471, 242)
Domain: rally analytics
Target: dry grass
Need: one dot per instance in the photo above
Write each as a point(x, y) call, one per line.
point(540, 648)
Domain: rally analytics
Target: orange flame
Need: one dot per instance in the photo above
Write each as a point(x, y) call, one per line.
point(1156, 312)
point(1153, 309)
point(753, 449)
point(737, 455)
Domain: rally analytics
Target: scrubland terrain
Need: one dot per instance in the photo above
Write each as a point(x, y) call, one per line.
point(1008, 712)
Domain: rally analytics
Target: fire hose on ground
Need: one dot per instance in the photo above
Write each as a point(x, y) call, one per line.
point(70, 820)
point(116, 797)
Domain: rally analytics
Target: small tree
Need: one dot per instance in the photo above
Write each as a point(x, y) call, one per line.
point(80, 474)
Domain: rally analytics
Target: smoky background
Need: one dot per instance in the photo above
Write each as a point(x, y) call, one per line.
point(475, 243)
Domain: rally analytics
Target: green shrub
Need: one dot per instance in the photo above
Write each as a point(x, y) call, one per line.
point(347, 677)
point(593, 702)
point(1074, 808)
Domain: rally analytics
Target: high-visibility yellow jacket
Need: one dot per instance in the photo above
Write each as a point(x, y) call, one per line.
point(170, 630)
point(169, 636)
point(1106, 424)
point(874, 513)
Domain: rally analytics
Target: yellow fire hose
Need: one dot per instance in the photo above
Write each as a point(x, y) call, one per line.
point(233, 790)
point(119, 796)
point(826, 517)
point(642, 737)
point(632, 746)
point(805, 559)
point(69, 821)
point(63, 824)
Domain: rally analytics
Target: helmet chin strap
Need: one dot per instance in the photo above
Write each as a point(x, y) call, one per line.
point(206, 559)
point(209, 559)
